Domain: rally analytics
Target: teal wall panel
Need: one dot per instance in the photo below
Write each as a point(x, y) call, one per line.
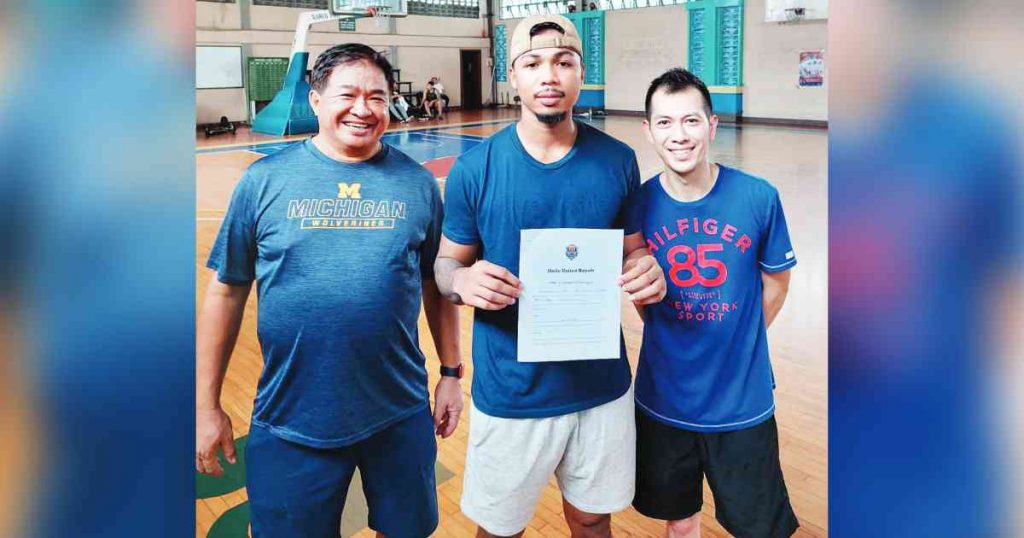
point(697, 63)
point(730, 31)
point(716, 41)
point(716, 50)
point(500, 54)
point(590, 25)
point(727, 103)
point(591, 99)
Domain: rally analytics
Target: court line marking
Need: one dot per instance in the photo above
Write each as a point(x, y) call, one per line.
point(463, 138)
point(425, 136)
point(441, 142)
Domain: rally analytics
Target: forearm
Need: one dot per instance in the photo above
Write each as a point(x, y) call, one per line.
point(771, 303)
point(444, 276)
point(774, 288)
point(443, 320)
point(216, 334)
point(636, 254)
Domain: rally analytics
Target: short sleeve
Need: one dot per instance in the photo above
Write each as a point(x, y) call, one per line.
point(460, 224)
point(432, 242)
point(632, 214)
point(776, 251)
point(233, 255)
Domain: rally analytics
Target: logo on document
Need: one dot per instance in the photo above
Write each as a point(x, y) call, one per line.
point(571, 252)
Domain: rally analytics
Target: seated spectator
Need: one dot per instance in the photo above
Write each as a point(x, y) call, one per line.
point(399, 107)
point(432, 101)
point(440, 89)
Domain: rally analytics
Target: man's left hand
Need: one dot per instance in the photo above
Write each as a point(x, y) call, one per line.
point(643, 280)
point(447, 406)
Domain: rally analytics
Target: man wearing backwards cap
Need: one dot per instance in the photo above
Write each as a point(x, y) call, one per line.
point(572, 419)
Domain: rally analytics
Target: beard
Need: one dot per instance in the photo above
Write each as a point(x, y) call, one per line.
point(551, 119)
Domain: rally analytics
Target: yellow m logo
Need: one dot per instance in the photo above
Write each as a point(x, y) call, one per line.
point(348, 191)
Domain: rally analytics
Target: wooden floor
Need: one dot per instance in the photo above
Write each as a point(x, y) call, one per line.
point(794, 160)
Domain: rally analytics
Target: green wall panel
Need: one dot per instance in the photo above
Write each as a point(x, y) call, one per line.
point(716, 41)
point(265, 77)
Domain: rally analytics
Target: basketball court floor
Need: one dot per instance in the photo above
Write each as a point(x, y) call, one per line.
point(793, 159)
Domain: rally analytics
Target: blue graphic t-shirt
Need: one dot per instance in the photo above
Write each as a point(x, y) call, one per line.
point(704, 361)
point(338, 251)
point(494, 191)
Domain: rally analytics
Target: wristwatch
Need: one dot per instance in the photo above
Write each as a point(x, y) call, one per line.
point(455, 372)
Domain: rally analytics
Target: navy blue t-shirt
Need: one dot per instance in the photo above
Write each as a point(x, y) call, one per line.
point(704, 361)
point(494, 191)
point(338, 252)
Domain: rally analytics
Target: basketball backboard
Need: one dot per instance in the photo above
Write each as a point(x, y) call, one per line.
point(369, 8)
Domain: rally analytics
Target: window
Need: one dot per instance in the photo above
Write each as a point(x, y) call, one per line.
point(304, 4)
point(516, 9)
point(467, 9)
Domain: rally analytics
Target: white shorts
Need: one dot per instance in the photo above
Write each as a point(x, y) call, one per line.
point(509, 462)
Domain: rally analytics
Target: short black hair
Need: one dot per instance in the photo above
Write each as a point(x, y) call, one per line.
point(677, 80)
point(344, 54)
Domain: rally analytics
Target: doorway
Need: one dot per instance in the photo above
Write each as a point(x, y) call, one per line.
point(469, 67)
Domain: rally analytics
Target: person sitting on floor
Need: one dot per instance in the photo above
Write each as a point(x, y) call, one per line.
point(399, 107)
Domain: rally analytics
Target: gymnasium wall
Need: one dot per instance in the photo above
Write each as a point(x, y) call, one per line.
point(424, 46)
point(212, 104)
point(771, 54)
point(645, 42)
point(218, 15)
point(641, 43)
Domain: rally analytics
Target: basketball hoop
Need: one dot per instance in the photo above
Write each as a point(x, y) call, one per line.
point(380, 15)
point(794, 14)
point(381, 10)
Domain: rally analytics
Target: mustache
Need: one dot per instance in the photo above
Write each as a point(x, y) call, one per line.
point(548, 93)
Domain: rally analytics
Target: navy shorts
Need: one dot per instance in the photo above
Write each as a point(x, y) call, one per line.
point(742, 468)
point(295, 490)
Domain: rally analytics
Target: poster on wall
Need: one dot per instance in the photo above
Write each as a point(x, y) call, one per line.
point(812, 68)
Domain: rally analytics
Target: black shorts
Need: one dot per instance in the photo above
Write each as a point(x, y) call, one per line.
point(743, 471)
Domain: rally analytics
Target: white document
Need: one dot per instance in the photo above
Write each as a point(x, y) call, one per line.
point(570, 305)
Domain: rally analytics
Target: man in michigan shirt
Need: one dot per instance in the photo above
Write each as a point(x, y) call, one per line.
point(340, 233)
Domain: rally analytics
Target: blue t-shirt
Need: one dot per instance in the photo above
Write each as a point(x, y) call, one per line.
point(338, 252)
point(704, 361)
point(497, 189)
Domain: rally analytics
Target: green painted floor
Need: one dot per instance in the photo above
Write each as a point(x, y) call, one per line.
point(235, 522)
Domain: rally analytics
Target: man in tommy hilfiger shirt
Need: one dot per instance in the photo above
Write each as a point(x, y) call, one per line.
point(704, 404)
point(340, 233)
